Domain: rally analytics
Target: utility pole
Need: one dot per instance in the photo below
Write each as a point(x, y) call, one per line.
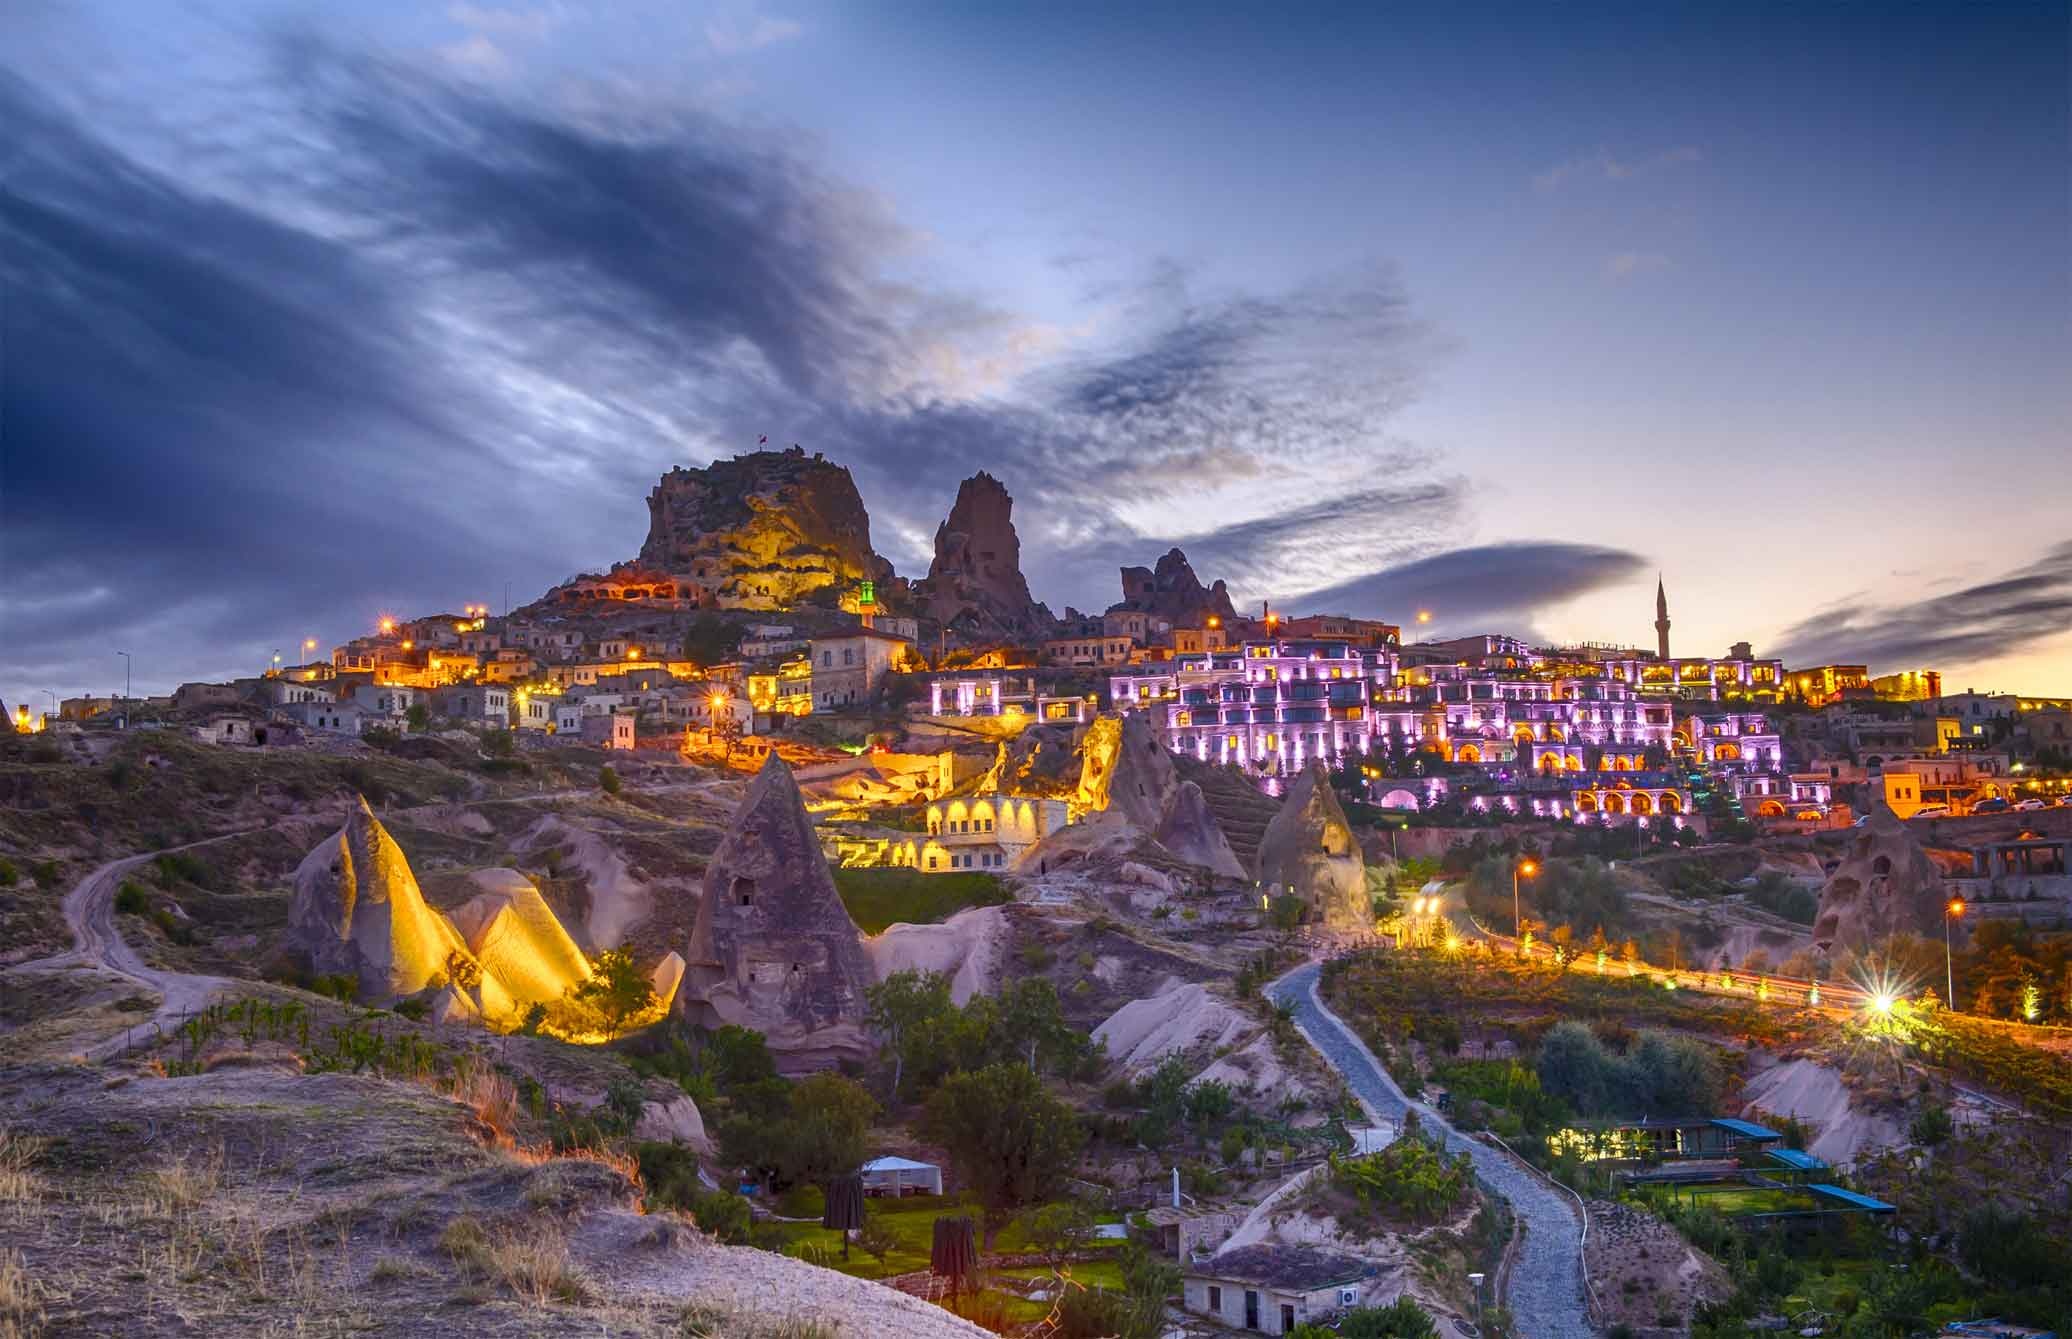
point(125, 683)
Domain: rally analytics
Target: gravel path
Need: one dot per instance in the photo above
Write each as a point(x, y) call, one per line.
point(1546, 1289)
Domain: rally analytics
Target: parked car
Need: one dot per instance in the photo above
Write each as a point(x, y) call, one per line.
point(1995, 806)
point(2028, 805)
point(1931, 811)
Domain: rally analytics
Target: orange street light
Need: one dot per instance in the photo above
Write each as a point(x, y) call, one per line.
point(388, 625)
point(1950, 913)
point(1424, 615)
point(1527, 869)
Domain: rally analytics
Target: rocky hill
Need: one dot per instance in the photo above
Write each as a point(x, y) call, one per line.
point(1173, 592)
point(762, 530)
point(975, 585)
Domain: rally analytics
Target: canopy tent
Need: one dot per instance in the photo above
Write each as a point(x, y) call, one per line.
point(901, 1176)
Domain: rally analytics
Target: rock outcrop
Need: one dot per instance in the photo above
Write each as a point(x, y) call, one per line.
point(763, 530)
point(975, 586)
point(518, 941)
point(1042, 761)
point(1172, 592)
point(773, 947)
point(1125, 770)
point(1886, 885)
point(1309, 850)
point(357, 910)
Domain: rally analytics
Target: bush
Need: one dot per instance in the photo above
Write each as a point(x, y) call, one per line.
point(415, 1010)
point(46, 873)
point(1658, 1072)
point(608, 780)
point(131, 899)
point(341, 986)
point(1400, 1319)
point(9, 875)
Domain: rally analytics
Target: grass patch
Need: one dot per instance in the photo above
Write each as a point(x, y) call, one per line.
point(910, 1222)
point(877, 898)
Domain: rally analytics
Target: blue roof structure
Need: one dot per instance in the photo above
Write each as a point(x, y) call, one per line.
point(1852, 1199)
point(1746, 1129)
point(1796, 1160)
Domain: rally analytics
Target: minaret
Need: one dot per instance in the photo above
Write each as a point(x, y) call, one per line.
point(1661, 619)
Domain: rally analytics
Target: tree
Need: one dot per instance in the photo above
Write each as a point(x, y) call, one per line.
point(1059, 1229)
point(830, 1122)
point(1030, 1025)
point(1400, 1319)
point(617, 989)
point(901, 1008)
point(419, 716)
point(1010, 1141)
point(608, 780)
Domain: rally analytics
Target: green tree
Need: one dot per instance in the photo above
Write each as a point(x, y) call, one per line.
point(608, 780)
point(1400, 1319)
point(1059, 1229)
point(617, 989)
point(419, 716)
point(1012, 1143)
point(829, 1125)
point(905, 1009)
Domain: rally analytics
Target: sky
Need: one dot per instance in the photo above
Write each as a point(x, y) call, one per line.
point(314, 313)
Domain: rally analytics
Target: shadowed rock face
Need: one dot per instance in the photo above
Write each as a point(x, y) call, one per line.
point(773, 947)
point(975, 584)
point(1886, 885)
point(357, 909)
point(1309, 849)
point(1172, 591)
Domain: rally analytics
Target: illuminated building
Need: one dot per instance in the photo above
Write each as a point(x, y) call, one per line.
point(1004, 695)
point(1269, 706)
point(1822, 684)
point(990, 832)
point(848, 667)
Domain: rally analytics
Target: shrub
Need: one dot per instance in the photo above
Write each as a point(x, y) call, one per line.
point(46, 873)
point(341, 986)
point(131, 899)
point(608, 780)
point(1400, 1319)
point(9, 875)
point(415, 1010)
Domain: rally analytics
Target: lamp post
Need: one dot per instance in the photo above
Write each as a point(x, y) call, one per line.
point(1528, 869)
point(125, 681)
point(1950, 913)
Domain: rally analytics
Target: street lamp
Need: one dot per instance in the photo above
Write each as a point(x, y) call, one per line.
point(125, 681)
point(1528, 869)
point(1950, 913)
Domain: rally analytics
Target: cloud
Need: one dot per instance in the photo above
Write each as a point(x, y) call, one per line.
point(1487, 588)
point(1983, 621)
point(433, 337)
point(1604, 166)
point(1627, 264)
point(734, 37)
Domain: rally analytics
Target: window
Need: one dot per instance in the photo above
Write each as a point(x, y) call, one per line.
point(1215, 1299)
point(742, 892)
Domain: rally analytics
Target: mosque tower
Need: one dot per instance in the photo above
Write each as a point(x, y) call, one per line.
point(1661, 619)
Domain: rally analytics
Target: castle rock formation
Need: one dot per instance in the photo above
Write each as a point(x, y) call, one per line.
point(761, 531)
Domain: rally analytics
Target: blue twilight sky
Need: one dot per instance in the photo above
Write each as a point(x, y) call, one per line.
point(316, 312)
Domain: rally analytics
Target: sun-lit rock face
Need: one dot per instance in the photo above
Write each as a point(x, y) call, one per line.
point(1886, 885)
point(1126, 771)
point(975, 584)
point(357, 909)
point(518, 941)
point(1310, 851)
point(763, 530)
point(773, 947)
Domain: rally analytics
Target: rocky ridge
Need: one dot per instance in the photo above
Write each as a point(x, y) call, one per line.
point(975, 585)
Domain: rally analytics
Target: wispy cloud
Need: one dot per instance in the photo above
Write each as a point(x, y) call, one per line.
point(1604, 165)
point(736, 36)
point(451, 336)
point(1992, 618)
point(1627, 264)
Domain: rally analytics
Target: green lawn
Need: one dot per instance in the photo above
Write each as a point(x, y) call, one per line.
point(877, 898)
point(912, 1221)
point(1737, 1199)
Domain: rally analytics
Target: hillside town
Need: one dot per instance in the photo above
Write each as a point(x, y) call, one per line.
point(963, 967)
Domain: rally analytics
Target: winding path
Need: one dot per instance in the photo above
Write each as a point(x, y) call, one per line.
point(1545, 1295)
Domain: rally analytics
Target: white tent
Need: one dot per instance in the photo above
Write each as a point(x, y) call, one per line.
point(901, 1176)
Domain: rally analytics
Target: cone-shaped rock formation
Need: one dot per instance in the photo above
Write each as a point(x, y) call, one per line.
point(357, 909)
point(517, 938)
point(1886, 885)
point(773, 947)
point(1310, 851)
